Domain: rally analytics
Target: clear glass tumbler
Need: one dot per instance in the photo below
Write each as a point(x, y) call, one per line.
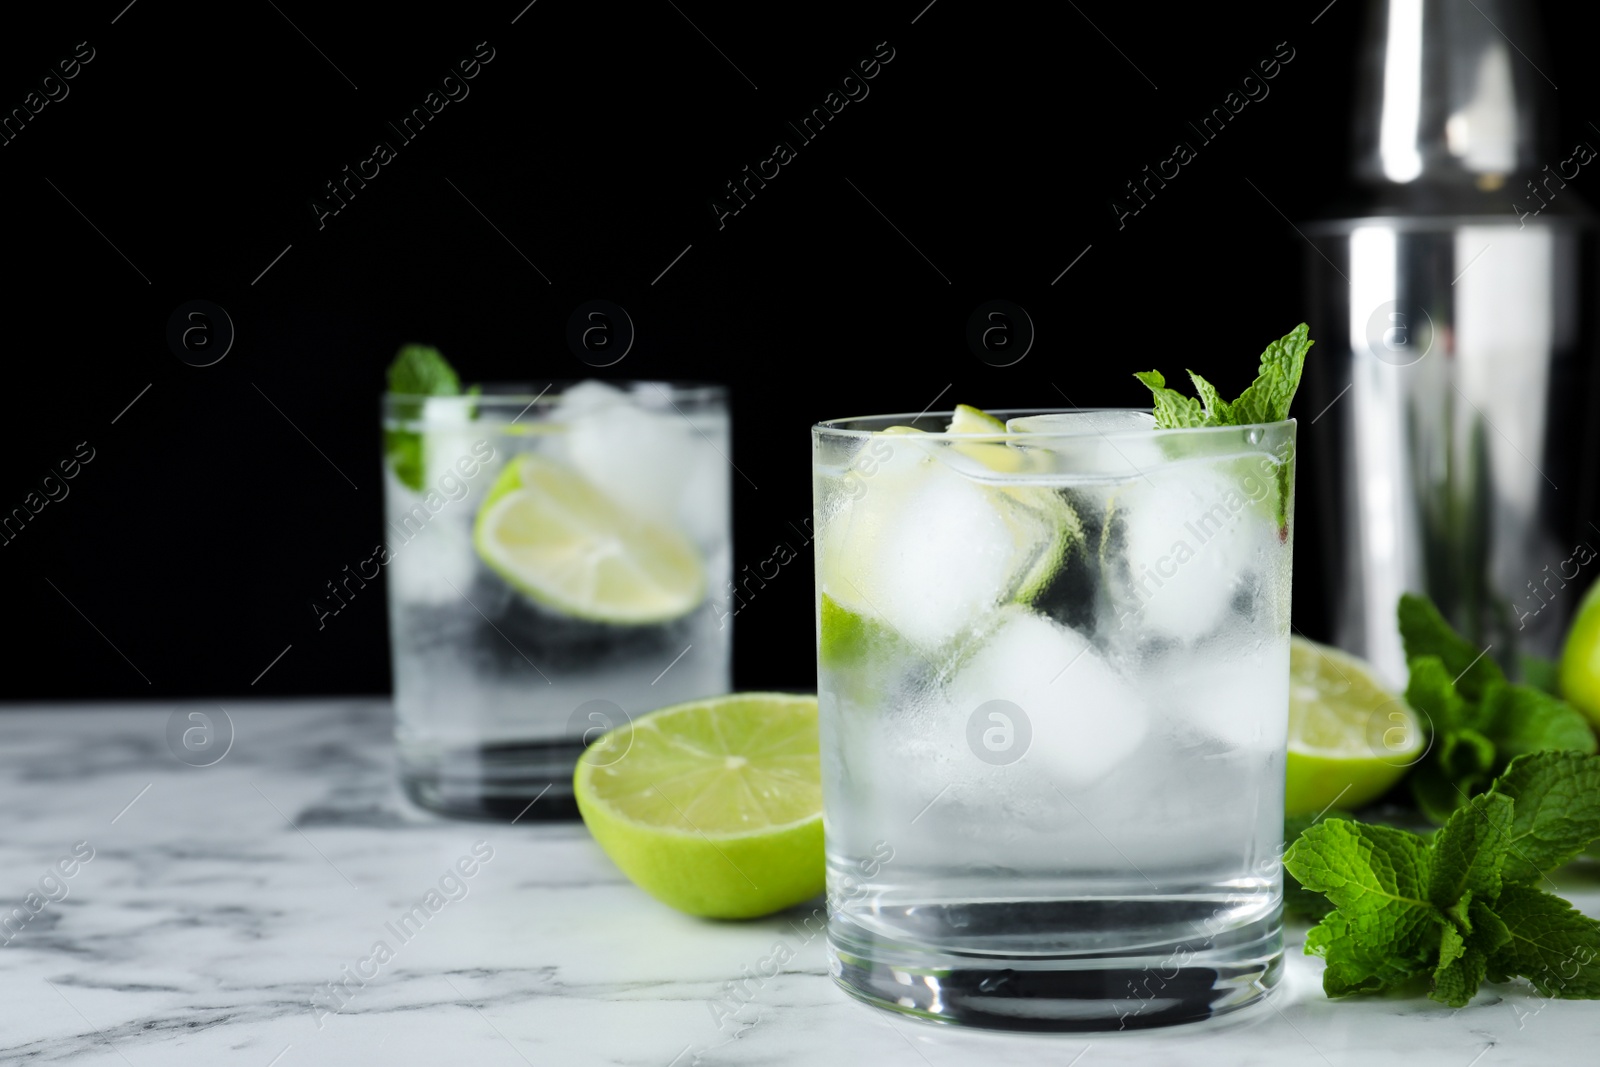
point(1053, 677)
point(557, 560)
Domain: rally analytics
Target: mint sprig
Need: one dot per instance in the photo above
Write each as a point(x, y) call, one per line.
point(1462, 908)
point(1299, 901)
point(417, 371)
point(1267, 399)
point(1479, 720)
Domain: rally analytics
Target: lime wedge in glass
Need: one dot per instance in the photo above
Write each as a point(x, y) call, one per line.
point(936, 489)
point(997, 457)
point(561, 542)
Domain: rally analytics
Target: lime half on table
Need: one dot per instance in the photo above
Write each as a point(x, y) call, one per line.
point(713, 807)
point(1350, 739)
point(560, 541)
point(1580, 658)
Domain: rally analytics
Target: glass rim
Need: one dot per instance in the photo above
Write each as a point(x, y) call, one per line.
point(529, 394)
point(840, 427)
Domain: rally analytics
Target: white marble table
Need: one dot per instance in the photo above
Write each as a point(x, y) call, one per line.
point(221, 901)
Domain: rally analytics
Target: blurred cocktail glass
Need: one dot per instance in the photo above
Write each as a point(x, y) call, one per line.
point(553, 557)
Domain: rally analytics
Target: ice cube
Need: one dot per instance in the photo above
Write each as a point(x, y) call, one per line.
point(1237, 696)
point(431, 554)
point(447, 453)
point(641, 458)
point(1083, 422)
point(925, 549)
point(1097, 444)
point(1187, 537)
point(589, 396)
point(707, 495)
point(1085, 718)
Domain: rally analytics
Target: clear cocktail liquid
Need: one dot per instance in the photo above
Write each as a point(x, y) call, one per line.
point(1053, 682)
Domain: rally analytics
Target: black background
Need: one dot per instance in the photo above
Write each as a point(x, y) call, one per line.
point(592, 144)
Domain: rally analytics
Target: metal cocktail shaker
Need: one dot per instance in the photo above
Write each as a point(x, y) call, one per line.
point(1452, 302)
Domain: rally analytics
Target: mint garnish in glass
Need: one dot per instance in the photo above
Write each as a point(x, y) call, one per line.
point(1266, 400)
point(419, 371)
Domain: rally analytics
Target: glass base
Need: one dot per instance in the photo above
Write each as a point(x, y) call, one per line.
point(513, 782)
point(1186, 979)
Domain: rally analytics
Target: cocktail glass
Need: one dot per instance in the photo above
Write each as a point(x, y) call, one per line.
point(558, 560)
point(1053, 684)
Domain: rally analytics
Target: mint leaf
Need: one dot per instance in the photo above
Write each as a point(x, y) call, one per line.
point(404, 449)
point(1361, 867)
point(1455, 752)
point(1552, 945)
point(1434, 792)
point(1488, 930)
point(1362, 956)
point(1297, 899)
point(1460, 972)
point(1541, 673)
point(1267, 399)
point(1522, 719)
point(1430, 691)
point(417, 371)
point(1467, 756)
point(1469, 851)
point(1479, 721)
point(1427, 634)
point(1269, 396)
point(1386, 928)
point(1173, 410)
point(1216, 407)
point(1557, 813)
point(420, 370)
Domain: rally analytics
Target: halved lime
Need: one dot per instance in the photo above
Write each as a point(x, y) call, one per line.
point(1580, 658)
point(557, 539)
point(1350, 739)
point(714, 806)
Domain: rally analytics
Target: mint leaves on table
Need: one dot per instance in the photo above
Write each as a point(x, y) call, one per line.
point(1478, 719)
point(1463, 907)
point(1298, 901)
point(417, 371)
point(1267, 399)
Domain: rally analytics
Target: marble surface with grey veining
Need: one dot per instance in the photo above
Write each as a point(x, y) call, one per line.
point(222, 903)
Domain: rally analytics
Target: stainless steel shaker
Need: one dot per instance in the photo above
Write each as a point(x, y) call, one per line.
point(1453, 306)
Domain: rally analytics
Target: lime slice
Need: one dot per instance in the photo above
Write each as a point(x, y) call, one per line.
point(997, 457)
point(1580, 658)
point(1350, 739)
point(872, 554)
point(561, 542)
point(1004, 459)
point(845, 638)
point(713, 807)
point(968, 419)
